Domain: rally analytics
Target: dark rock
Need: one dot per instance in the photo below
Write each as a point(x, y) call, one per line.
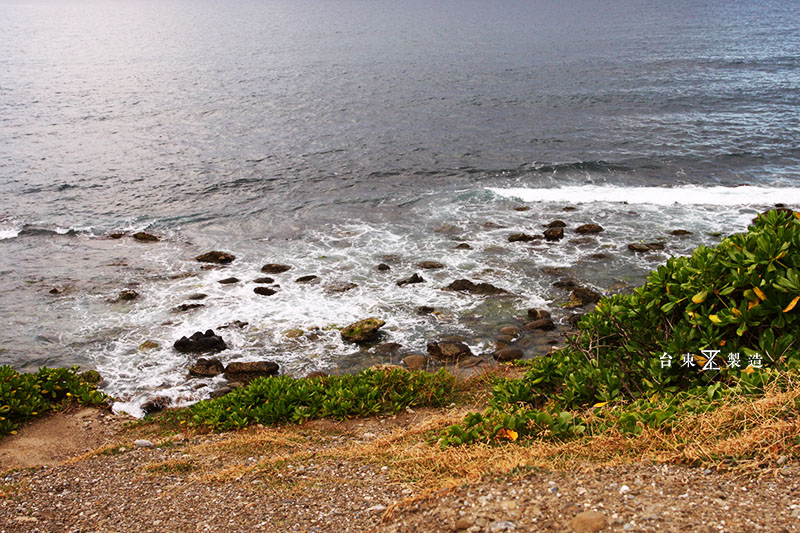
point(538, 314)
point(501, 341)
point(465, 285)
point(522, 208)
point(235, 324)
point(264, 291)
point(416, 362)
point(588, 228)
point(145, 237)
point(127, 295)
point(207, 367)
point(424, 310)
point(554, 234)
point(416, 278)
point(155, 405)
point(599, 256)
point(492, 225)
point(463, 246)
point(116, 235)
point(582, 296)
point(363, 331)
point(430, 265)
point(637, 247)
point(680, 232)
point(582, 241)
point(512, 331)
point(339, 287)
point(447, 229)
point(54, 290)
point(201, 343)
point(554, 271)
point(220, 392)
point(316, 374)
point(219, 258)
point(187, 307)
point(566, 283)
point(228, 281)
point(306, 279)
point(509, 354)
point(656, 245)
point(197, 296)
point(523, 237)
point(273, 268)
point(264, 280)
point(387, 349)
point(383, 267)
point(569, 208)
point(248, 371)
point(557, 224)
point(543, 323)
point(469, 362)
point(448, 350)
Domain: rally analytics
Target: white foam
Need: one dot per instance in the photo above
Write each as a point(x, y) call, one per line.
point(682, 195)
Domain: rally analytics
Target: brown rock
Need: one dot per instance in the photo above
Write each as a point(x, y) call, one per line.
point(415, 278)
point(145, 237)
point(220, 258)
point(509, 354)
point(207, 367)
point(680, 232)
point(246, 372)
point(656, 245)
point(465, 285)
point(469, 362)
point(638, 247)
point(264, 291)
point(339, 287)
point(511, 331)
point(554, 234)
point(566, 283)
point(536, 314)
point(416, 362)
point(362, 331)
point(127, 295)
point(155, 405)
point(424, 310)
point(448, 350)
point(383, 267)
point(588, 522)
point(463, 246)
point(557, 224)
point(274, 268)
point(582, 296)
point(543, 323)
point(187, 307)
point(430, 265)
point(264, 280)
point(588, 228)
point(523, 237)
point(522, 208)
point(306, 279)
point(228, 281)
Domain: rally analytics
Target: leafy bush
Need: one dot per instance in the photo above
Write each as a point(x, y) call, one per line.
point(739, 298)
point(26, 396)
point(285, 399)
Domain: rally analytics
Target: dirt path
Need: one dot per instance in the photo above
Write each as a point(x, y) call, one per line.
point(325, 476)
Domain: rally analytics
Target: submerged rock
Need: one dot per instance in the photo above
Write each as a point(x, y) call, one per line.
point(523, 237)
point(449, 351)
point(201, 343)
point(424, 310)
point(430, 265)
point(680, 232)
point(465, 285)
point(182, 308)
point(245, 372)
point(588, 229)
point(362, 331)
point(274, 268)
point(415, 278)
point(339, 287)
point(145, 237)
point(541, 323)
point(219, 258)
point(127, 295)
point(207, 367)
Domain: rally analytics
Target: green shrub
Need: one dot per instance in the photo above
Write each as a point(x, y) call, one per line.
point(280, 399)
point(26, 396)
point(739, 297)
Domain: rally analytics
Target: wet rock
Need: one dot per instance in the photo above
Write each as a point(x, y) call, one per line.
point(447, 229)
point(264, 291)
point(339, 287)
point(599, 256)
point(566, 283)
point(463, 246)
point(148, 345)
point(465, 285)
point(55, 290)
point(522, 208)
point(415, 278)
point(545, 324)
point(430, 265)
point(557, 224)
point(127, 295)
point(416, 362)
point(680, 232)
point(583, 241)
point(220, 392)
point(293, 333)
point(316, 374)
point(569, 208)
point(511, 331)
point(274, 268)
point(383, 267)
point(145, 237)
point(216, 257)
point(182, 308)
point(197, 296)
point(201, 343)
point(265, 279)
point(228, 281)
point(424, 310)
point(469, 362)
point(387, 349)
point(448, 350)
point(235, 324)
point(582, 296)
point(554, 234)
point(245, 372)
point(588, 522)
point(588, 229)
point(656, 245)
point(501, 341)
point(116, 235)
point(509, 354)
point(537, 314)
point(492, 225)
point(638, 247)
point(207, 367)
point(155, 405)
point(307, 279)
point(362, 331)
point(554, 271)
point(523, 237)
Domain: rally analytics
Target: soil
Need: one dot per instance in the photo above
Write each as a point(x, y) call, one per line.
point(305, 478)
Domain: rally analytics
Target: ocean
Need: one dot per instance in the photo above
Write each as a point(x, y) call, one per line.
point(336, 135)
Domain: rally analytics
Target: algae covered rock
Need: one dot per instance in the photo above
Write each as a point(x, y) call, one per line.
point(363, 331)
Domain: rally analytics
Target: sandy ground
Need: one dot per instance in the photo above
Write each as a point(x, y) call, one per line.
point(305, 478)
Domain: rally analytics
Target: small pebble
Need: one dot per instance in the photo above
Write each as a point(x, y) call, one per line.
point(143, 443)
